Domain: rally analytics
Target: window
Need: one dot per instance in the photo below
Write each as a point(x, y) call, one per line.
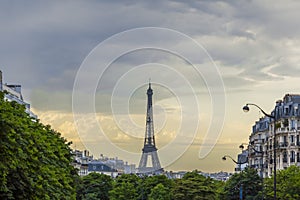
point(284, 159)
point(284, 141)
point(293, 124)
point(286, 110)
point(292, 156)
point(292, 139)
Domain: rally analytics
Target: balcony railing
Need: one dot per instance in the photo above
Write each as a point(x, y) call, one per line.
point(282, 130)
point(257, 166)
point(283, 144)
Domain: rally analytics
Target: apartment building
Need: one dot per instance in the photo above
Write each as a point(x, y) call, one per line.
point(81, 161)
point(13, 93)
point(261, 140)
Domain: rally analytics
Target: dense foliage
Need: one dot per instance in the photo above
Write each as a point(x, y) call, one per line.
point(34, 159)
point(159, 187)
point(94, 186)
point(192, 186)
point(125, 187)
point(195, 186)
point(288, 184)
point(246, 183)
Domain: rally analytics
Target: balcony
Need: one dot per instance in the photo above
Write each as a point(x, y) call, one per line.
point(257, 166)
point(282, 130)
point(283, 144)
point(292, 144)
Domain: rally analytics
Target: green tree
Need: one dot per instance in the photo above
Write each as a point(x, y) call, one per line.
point(123, 191)
point(125, 187)
point(248, 181)
point(288, 184)
point(94, 186)
point(195, 186)
point(160, 192)
point(148, 183)
point(35, 161)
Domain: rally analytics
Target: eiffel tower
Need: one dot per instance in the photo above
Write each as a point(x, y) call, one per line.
point(149, 142)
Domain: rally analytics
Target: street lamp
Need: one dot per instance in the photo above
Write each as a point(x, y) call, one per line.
point(246, 109)
point(242, 146)
point(239, 163)
point(251, 146)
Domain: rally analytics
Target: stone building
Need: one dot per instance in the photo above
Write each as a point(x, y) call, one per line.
point(12, 92)
point(261, 140)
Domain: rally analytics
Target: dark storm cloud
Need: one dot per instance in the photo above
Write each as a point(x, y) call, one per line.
point(44, 43)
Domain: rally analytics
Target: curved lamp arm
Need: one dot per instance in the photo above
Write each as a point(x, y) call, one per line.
point(251, 146)
point(239, 163)
point(246, 109)
point(242, 145)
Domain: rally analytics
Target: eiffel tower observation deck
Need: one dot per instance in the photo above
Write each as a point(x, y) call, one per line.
point(149, 152)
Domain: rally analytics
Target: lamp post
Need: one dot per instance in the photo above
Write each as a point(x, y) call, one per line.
point(238, 163)
point(246, 109)
point(252, 147)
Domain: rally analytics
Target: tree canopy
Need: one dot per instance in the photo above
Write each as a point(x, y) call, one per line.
point(94, 186)
point(196, 186)
point(288, 184)
point(35, 161)
point(125, 187)
point(246, 182)
point(160, 192)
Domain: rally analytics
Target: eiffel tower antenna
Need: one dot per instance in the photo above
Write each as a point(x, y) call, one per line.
point(149, 149)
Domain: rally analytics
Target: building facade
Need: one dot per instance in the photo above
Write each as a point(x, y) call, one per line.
point(261, 140)
point(86, 163)
point(102, 168)
point(81, 160)
point(260, 146)
point(12, 92)
point(242, 161)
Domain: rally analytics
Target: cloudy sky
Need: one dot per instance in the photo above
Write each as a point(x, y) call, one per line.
point(84, 66)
